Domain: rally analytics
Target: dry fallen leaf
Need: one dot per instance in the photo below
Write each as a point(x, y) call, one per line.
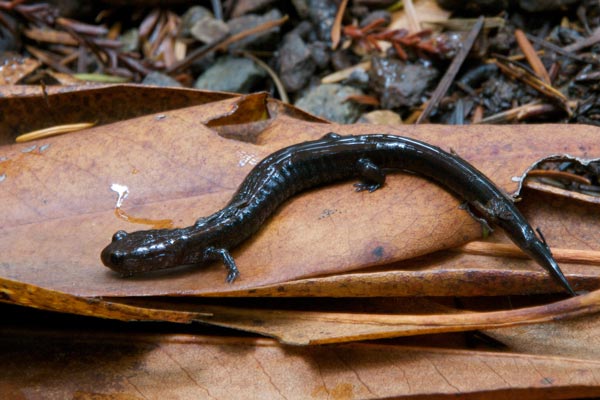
point(35, 107)
point(182, 163)
point(16, 68)
point(59, 209)
point(427, 11)
point(31, 296)
point(316, 327)
point(89, 364)
point(577, 338)
point(303, 327)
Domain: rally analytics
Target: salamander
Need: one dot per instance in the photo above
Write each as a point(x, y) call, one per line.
point(296, 168)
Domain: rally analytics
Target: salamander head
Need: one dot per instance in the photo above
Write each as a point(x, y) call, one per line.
point(131, 253)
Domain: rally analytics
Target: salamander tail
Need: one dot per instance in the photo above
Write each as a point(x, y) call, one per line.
point(559, 277)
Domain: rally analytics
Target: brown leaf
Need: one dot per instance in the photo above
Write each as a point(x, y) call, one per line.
point(576, 338)
point(311, 327)
point(566, 225)
point(15, 69)
point(33, 108)
point(139, 366)
point(59, 210)
point(36, 297)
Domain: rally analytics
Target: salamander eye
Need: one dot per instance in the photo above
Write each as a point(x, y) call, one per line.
point(119, 235)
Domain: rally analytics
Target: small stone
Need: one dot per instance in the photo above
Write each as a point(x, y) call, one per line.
point(358, 78)
point(240, 24)
point(191, 16)
point(381, 117)
point(296, 64)
point(130, 40)
point(399, 83)
point(503, 40)
point(231, 74)
point(301, 7)
point(342, 59)
point(157, 79)
point(320, 54)
point(322, 14)
point(498, 93)
point(208, 29)
point(303, 29)
point(329, 101)
point(451, 42)
point(564, 36)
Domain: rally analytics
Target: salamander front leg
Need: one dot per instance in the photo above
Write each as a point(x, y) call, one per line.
point(214, 254)
point(373, 176)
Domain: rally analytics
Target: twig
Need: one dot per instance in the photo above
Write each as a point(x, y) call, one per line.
point(519, 113)
point(477, 115)
point(559, 175)
point(531, 56)
point(336, 28)
point(280, 89)
point(464, 24)
point(450, 74)
point(583, 43)
point(53, 131)
point(411, 15)
point(223, 43)
point(217, 9)
point(560, 50)
point(581, 193)
point(48, 35)
point(254, 31)
point(529, 77)
point(345, 73)
point(590, 257)
point(133, 64)
point(363, 99)
point(69, 58)
point(197, 54)
point(83, 28)
point(149, 22)
point(48, 60)
point(103, 78)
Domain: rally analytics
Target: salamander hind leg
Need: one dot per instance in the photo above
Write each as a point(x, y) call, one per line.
point(214, 254)
point(373, 177)
point(485, 226)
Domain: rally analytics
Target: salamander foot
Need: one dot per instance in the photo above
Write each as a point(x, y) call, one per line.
point(213, 253)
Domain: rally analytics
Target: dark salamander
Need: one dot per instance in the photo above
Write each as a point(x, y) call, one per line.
point(299, 167)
